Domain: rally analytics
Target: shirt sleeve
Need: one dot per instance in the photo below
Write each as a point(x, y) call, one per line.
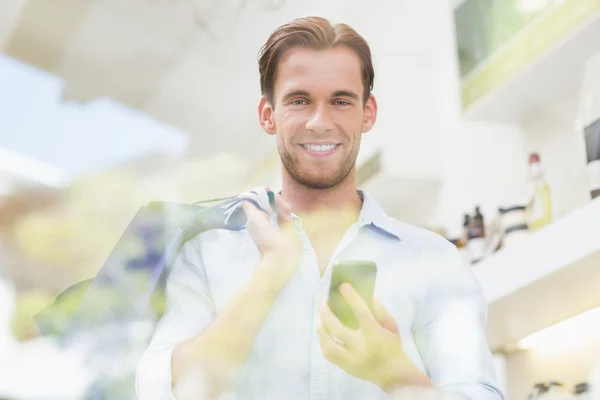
point(450, 330)
point(189, 310)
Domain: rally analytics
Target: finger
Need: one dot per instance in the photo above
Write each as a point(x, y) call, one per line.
point(284, 210)
point(384, 318)
point(359, 307)
point(335, 328)
point(252, 213)
point(332, 350)
point(256, 222)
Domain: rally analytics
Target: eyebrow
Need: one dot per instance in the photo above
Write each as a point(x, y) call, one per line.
point(345, 93)
point(295, 93)
point(337, 93)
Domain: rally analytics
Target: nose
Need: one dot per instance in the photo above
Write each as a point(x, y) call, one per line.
point(320, 119)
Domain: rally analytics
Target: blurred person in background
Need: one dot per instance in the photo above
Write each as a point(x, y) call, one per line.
point(246, 315)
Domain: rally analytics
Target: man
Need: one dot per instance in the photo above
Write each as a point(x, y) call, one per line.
point(246, 313)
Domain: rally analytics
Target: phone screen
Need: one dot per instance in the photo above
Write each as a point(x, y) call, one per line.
point(361, 275)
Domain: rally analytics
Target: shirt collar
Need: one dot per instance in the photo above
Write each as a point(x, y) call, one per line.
point(371, 213)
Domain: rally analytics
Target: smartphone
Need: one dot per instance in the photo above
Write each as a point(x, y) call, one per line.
point(361, 275)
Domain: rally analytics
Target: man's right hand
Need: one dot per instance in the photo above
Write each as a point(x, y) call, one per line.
point(280, 248)
point(215, 354)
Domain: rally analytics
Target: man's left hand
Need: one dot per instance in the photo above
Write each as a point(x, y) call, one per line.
point(374, 351)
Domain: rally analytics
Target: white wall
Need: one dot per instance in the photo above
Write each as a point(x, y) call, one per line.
point(554, 134)
point(485, 165)
point(415, 80)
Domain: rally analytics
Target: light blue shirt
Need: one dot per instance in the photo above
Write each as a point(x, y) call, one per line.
point(421, 280)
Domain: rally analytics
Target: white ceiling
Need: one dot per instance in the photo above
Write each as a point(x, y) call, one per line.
point(161, 59)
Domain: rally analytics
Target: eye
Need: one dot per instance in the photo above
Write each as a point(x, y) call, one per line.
point(341, 103)
point(298, 102)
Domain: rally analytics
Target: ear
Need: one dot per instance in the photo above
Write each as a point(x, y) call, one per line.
point(370, 114)
point(266, 116)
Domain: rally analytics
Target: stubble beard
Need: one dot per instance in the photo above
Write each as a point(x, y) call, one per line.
point(321, 182)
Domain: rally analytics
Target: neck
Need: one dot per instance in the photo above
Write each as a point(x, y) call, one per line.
point(340, 203)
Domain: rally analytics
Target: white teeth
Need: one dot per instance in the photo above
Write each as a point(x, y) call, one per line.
point(325, 147)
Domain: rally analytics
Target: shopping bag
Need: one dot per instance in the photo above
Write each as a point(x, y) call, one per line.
point(139, 264)
point(105, 314)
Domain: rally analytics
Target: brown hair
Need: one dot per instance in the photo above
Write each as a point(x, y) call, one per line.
point(315, 33)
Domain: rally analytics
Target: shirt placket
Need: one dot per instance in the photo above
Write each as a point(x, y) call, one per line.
point(319, 371)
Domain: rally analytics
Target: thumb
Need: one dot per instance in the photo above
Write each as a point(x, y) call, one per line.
point(383, 317)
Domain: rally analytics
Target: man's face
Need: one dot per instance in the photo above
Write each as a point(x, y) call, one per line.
point(318, 115)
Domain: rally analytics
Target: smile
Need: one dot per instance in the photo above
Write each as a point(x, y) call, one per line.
point(323, 147)
point(321, 150)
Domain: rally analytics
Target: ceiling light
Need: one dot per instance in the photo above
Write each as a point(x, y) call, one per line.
point(566, 334)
